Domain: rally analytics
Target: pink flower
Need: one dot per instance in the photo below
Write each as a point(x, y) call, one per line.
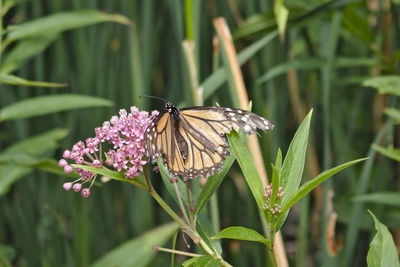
point(126, 135)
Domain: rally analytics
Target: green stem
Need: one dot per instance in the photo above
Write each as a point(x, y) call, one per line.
point(189, 204)
point(271, 254)
point(165, 206)
point(178, 195)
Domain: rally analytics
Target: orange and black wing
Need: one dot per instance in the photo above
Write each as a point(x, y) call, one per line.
point(204, 129)
point(195, 144)
point(161, 140)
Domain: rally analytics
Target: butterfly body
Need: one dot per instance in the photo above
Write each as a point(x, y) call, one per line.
point(192, 140)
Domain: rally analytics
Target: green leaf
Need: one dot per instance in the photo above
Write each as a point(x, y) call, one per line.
point(39, 144)
point(205, 229)
point(248, 167)
point(386, 198)
point(15, 80)
point(281, 16)
point(390, 153)
point(382, 251)
point(24, 50)
point(309, 186)
point(258, 24)
point(241, 233)
point(190, 262)
point(60, 22)
point(9, 174)
point(138, 251)
point(34, 149)
point(293, 166)
point(206, 261)
point(385, 84)
point(394, 114)
point(49, 104)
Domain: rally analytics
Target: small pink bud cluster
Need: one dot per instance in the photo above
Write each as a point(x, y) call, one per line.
point(126, 135)
point(276, 208)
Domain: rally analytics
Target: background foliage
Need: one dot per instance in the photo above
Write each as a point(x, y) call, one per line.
point(324, 60)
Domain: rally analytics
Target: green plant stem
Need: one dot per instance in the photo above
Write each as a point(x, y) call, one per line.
point(165, 206)
point(178, 195)
point(174, 251)
point(187, 228)
point(149, 186)
point(272, 257)
point(189, 204)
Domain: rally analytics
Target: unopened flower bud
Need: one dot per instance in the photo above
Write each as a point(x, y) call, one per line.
point(62, 163)
point(67, 186)
point(77, 187)
point(68, 169)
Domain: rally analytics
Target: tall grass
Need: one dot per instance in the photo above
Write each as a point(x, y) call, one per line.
point(328, 50)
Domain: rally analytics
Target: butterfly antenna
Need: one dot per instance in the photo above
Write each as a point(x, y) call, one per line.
point(155, 97)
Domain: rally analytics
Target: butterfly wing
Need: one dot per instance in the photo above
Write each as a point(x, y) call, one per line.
point(195, 144)
point(162, 140)
point(204, 129)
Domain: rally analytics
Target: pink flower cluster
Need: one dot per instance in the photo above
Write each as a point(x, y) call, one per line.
point(125, 133)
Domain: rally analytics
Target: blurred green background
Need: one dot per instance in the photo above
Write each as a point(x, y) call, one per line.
point(328, 50)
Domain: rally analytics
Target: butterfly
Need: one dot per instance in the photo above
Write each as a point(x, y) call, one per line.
point(192, 140)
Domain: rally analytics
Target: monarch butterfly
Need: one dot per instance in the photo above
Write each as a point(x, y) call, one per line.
point(192, 140)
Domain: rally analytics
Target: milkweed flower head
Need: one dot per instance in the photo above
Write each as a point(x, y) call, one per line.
point(125, 134)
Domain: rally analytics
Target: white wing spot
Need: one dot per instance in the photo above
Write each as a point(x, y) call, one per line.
point(231, 114)
point(228, 109)
point(239, 111)
point(247, 128)
point(244, 118)
point(153, 147)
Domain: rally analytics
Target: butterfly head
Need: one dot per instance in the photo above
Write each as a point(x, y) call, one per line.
point(172, 110)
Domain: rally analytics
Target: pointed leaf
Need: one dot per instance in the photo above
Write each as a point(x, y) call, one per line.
point(293, 166)
point(15, 80)
point(138, 251)
point(49, 104)
point(241, 233)
point(62, 21)
point(281, 16)
point(309, 186)
point(24, 50)
point(382, 250)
